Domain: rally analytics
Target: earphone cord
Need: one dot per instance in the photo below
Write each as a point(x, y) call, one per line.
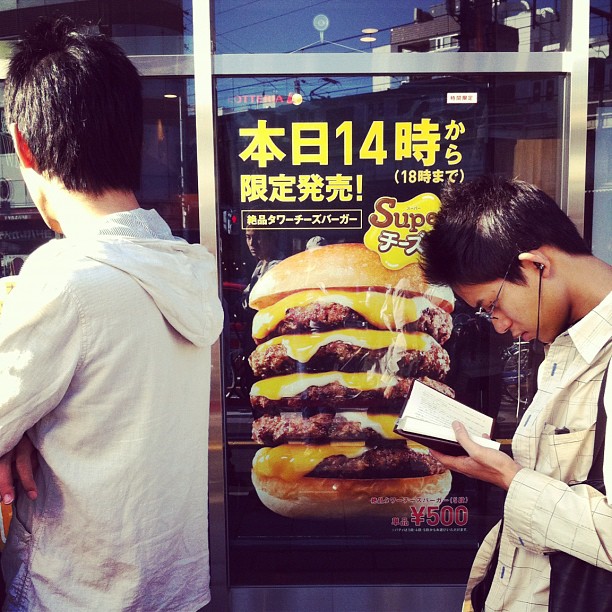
point(539, 302)
point(537, 351)
point(536, 348)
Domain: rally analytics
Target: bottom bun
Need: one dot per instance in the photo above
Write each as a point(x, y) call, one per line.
point(326, 498)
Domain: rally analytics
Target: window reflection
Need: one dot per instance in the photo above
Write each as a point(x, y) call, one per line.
point(599, 134)
point(170, 175)
point(140, 27)
point(401, 26)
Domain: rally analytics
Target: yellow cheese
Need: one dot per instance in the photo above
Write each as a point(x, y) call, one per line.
point(293, 461)
point(382, 424)
point(289, 385)
point(302, 347)
point(381, 310)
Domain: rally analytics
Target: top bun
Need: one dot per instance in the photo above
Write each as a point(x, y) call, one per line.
point(335, 266)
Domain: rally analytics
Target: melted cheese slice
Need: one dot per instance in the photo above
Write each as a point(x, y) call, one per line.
point(382, 424)
point(277, 387)
point(292, 461)
point(302, 347)
point(381, 310)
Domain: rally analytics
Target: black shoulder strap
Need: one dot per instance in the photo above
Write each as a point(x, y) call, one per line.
point(596, 472)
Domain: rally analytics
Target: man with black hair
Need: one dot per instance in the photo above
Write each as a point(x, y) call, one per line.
point(507, 249)
point(105, 349)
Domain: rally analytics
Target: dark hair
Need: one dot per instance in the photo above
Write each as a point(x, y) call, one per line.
point(484, 224)
point(77, 100)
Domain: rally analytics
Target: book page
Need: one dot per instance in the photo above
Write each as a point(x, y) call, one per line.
point(429, 405)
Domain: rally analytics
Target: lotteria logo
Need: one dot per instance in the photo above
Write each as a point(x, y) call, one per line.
point(291, 98)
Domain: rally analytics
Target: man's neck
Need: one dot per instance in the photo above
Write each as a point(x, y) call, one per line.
point(589, 281)
point(78, 213)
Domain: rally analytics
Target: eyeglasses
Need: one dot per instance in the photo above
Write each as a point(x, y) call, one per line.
point(487, 313)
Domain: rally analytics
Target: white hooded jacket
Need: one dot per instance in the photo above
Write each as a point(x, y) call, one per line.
point(105, 362)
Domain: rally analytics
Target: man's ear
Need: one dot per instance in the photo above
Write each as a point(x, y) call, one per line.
point(24, 153)
point(539, 260)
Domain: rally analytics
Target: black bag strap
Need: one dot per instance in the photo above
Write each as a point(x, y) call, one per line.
point(596, 471)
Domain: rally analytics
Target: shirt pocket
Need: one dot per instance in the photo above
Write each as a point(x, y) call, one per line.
point(567, 456)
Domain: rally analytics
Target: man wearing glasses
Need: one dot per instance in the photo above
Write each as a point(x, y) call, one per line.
point(509, 251)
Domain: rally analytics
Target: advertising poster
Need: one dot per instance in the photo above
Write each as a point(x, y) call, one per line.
point(329, 322)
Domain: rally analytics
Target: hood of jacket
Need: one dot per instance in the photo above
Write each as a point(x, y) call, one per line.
point(181, 278)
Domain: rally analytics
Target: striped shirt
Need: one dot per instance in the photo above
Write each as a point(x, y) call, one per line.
point(554, 445)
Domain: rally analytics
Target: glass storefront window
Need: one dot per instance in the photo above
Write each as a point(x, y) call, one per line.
point(140, 27)
point(345, 161)
point(379, 26)
point(170, 170)
point(599, 134)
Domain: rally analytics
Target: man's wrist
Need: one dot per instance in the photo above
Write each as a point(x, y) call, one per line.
point(509, 474)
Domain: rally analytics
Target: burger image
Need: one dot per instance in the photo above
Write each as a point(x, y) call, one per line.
point(340, 340)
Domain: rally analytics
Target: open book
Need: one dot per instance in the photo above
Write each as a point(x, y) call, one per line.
point(428, 416)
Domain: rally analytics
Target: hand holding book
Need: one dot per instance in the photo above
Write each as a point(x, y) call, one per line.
point(454, 432)
point(428, 417)
point(486, 464)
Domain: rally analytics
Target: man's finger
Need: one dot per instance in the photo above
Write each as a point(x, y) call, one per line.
point(463, 437)
point(25, 467)
point(7, 490)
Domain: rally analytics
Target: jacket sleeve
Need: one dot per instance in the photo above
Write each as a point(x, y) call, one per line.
point(544, 515)
point(40, 347)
